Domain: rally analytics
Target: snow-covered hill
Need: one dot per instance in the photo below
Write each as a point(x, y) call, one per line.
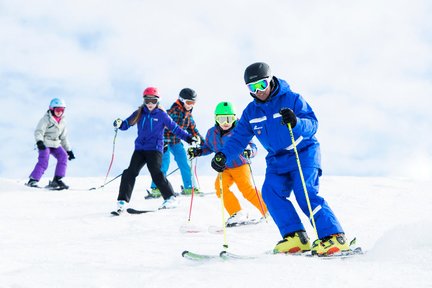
point(68, 239)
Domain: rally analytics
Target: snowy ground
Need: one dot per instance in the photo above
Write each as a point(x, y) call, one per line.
point(68, 239)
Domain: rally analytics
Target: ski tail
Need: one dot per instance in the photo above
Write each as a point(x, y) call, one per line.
point(198, 257)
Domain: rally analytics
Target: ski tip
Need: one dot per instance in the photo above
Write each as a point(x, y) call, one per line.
point(184, 253)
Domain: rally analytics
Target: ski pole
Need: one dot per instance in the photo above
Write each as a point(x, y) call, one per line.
point(225, 245)
point(256, 189)
point(193, 192)
point(112, 157)
point(172, 172)
point(94, 188)
point(302, 178)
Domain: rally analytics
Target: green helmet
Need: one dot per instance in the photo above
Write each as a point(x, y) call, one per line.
point(225, 108)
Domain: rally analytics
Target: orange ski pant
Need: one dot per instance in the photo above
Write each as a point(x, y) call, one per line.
point(242, 177)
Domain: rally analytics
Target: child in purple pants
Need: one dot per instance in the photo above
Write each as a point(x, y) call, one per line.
point(50, 136)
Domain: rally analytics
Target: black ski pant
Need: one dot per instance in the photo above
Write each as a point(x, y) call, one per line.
point(153, 159)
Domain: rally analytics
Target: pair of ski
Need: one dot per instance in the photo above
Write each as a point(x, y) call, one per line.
point(49, 187)
point(213, 229)
point(132, 211)
point(200, 194)
point(225, 255)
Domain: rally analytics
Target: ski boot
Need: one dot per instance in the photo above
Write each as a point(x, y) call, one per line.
point(120, 208)
point(296, 242)
point(32, 183)
point(333, 244)
point(169, 203)
point(57, 184)
point(154, 193)
point(188, 191)
point(236, 218)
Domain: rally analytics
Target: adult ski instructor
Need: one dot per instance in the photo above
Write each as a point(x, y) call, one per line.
point(274, 106)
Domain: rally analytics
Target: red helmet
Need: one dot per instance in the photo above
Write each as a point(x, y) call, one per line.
point(153, 91)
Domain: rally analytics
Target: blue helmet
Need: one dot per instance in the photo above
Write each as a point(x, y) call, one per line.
point(57, 102)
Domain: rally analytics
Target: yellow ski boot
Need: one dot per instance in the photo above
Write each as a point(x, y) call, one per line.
point(333, 244)
point(296, 242)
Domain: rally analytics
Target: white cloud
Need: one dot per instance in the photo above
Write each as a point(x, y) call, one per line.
point(364, 66)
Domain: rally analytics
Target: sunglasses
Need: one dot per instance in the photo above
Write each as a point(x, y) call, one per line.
point(260, 85)
point(152, 100)
point(225, 119)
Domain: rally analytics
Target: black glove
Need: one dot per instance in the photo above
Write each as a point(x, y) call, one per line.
point(288, 116)
point(71, 155)
point(117, 123)
point(40, 145)
point(218, 162)
point(194, 152)
point(247, 153)
point(192, 139)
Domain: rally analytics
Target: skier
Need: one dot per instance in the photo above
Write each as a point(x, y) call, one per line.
point(181, 113)
point(151, 121)
point(51, 139)
point(238, 170)
point(267, 117)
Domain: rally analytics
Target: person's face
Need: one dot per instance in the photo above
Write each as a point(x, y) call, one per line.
point(58, 111)
point(225, 121)
point(151, 102)
point(188, 104)
point(260, 88)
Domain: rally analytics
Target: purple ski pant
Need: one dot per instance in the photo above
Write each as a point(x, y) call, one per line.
point(43, 159)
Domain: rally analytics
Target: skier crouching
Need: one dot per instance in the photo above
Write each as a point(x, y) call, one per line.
point(267, 117)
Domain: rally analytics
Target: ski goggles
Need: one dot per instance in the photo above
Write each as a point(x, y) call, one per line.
point(59, 109)
point(259, 85)
point(188, 102)
point(152, 100)
point(225, 119)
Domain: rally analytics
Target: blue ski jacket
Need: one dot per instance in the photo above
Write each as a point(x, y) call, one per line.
point(151, 125)
point(263, 120)
point(214, 141)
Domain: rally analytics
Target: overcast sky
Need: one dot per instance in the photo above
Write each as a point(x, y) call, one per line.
point(364, 66)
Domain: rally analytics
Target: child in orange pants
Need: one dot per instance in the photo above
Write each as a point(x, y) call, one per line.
point(238, 170)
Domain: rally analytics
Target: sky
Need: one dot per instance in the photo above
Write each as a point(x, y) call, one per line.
point(68, 238)
point(365, 67)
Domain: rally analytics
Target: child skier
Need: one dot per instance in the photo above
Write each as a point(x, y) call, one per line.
point(151, 121)
point(181, 113)
point(51, 139)
point(238, 167)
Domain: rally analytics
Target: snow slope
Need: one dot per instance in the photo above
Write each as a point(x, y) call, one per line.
point(68, 239)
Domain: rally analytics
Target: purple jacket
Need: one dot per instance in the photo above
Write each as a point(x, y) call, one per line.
point(151, 125)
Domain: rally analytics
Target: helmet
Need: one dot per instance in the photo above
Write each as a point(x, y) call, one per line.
point(153, 91)
point(225, 108)
point(57, 102)
point(188, 94)
point(256, 71)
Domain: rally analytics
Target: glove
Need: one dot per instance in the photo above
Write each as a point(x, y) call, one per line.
point(288, 116)
point(218, 162)
point(117, 123)
point(71, 155)
point(192, 139)
point(40, 145)
point(247, 153)
point(194, 152)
